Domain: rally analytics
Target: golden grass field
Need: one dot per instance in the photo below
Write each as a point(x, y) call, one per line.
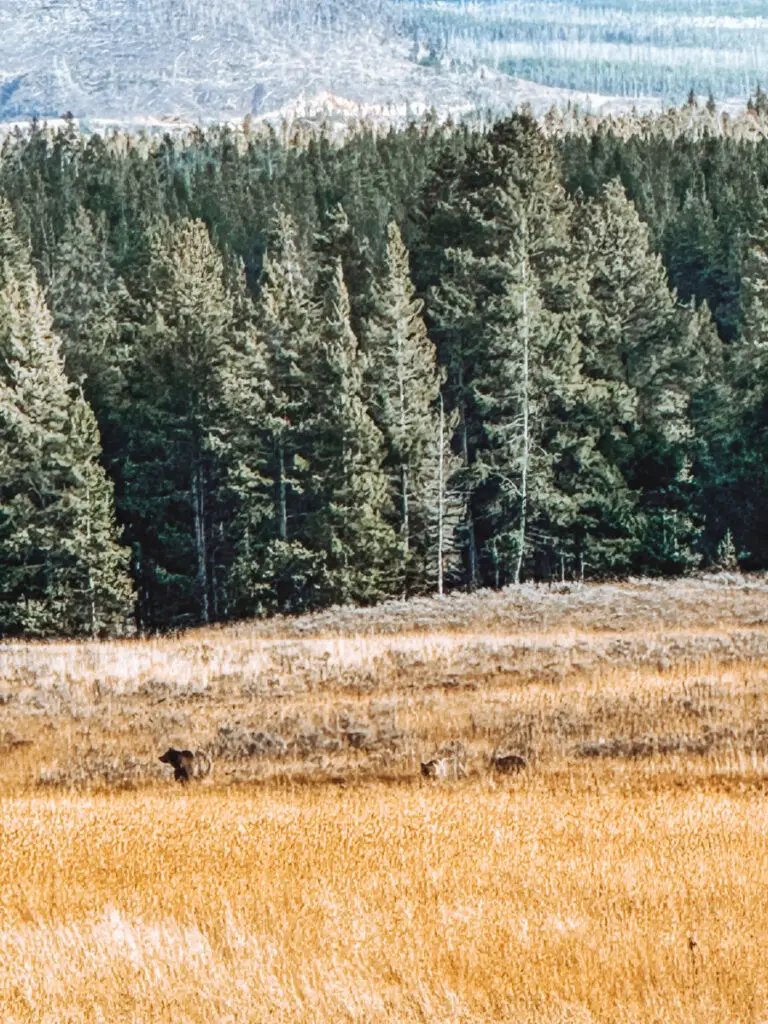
point(622, 877)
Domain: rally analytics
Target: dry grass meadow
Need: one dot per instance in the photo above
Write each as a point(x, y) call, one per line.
point(622, 877)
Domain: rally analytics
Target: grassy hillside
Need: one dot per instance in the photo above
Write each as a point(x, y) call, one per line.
point(564, 677)
point(318, 877)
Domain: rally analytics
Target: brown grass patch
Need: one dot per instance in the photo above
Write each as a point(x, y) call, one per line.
point(619, 878)
point(554, 900)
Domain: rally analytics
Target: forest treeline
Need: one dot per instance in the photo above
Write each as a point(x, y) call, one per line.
point(243, 372)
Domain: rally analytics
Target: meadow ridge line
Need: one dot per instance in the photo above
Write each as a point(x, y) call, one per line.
point(407, 638)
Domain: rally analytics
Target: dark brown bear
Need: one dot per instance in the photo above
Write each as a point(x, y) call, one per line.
point(510, 764)
point(187, 764)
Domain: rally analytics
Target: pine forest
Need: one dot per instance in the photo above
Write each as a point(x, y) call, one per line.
point(259, 371)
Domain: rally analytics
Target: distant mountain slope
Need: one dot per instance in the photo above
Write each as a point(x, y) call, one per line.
point(132, 60)
point(190, 58)
point(619, 47)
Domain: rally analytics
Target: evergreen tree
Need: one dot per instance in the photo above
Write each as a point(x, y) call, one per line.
point(248, 455)
point(172, 472)
point(507, 310)
point(738, 477)
point(288, 319)
point(727, 559)
point(90, 307)
point(750, 363)
point(404, 386)
point(102, 591)
point(63, 571)
point(639, 341)
point(554, 499)
point(349, 484)
point(445, 502)
point(522, 371)
point(275, 395)
point(338, 239)
point(634, 335)
point(457, 306)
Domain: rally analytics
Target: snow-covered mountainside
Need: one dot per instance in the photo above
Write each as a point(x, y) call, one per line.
point(139, 61)
point(193, 59)
point(625, 48)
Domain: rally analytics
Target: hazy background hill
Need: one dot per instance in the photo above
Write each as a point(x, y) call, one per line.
point(126, 60)
point(622, 48)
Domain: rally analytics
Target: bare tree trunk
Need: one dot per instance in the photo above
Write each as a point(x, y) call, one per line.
point(526, 425)
point(282, 508)
point(198, 503)
point(404, 480)
point(471, 540)
point(91, 588)
point(440, 497)
point(406, 528)
point(218, 593)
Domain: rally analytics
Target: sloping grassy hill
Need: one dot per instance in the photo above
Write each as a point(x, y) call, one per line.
point(565, 677)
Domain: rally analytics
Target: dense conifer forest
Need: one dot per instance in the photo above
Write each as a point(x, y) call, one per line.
point(255, 371)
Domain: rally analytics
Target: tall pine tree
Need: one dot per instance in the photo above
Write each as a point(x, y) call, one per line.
point(404, 384)
point(91, 308)
point(506, 307)
point(173, 473)
point(62, 570)
point(348, 482)
point(640, 342)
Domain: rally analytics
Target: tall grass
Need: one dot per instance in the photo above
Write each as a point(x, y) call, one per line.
point(622, 877)
point(567, 899)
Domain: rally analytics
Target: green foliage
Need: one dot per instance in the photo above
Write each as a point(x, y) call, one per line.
point(62, 570)
point(510, 302)
point(173, 470)
point(727, 558)
point(91, 311)
point(349, 489)
point(647, 354)
point(404, 386)
point(337, 371)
